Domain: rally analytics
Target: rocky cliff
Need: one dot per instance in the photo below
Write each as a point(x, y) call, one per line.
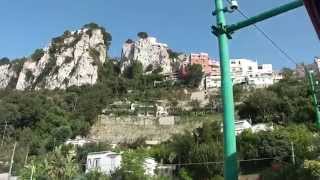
point(70, 60)
point(150, 53)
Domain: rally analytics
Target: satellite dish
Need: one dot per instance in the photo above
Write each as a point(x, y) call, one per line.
point(313, 8)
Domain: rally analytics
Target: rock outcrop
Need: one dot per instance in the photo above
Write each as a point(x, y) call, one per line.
point(70, 60)
point(8, 74)
point(150, 53)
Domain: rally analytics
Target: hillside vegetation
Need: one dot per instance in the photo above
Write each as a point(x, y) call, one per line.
point(41, 121)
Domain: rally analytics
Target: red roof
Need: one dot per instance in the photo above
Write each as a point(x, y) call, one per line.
point(313, 7)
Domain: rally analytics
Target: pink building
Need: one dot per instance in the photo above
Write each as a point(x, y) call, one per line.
point(209, 66)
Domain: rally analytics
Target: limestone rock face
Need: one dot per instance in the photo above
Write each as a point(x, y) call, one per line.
point(70, 60)
point(150, 53)
point(7, 75)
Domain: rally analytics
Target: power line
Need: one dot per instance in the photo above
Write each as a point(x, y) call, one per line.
point(274, 44)
point(216, 162)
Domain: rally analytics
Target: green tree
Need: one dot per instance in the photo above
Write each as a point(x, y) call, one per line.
point(37, 55)
point(194, 75)
point(173, 54)
point(143, 35)
point(283, 102)
point(313, 166)
point(132, 166)
point(55, 165)
point(202, 146)
point(96, 176)
point(4, 61)
point(134, 71)
point(276, 145)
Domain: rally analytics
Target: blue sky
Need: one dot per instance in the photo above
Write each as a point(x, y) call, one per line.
point(183, 24)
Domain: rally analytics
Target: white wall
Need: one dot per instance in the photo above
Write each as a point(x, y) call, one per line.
point(107, 162)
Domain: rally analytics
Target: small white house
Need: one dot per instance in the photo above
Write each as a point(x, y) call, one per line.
point(79, 141)
point(262, 127)
point(242, 125)
point(106, 162)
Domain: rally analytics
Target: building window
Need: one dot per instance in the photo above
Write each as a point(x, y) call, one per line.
point(96, 163)
point(259, 67)
point(250, 68)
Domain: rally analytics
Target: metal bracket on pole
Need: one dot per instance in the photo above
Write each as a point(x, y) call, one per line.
point(220, 29)
point(265, 15)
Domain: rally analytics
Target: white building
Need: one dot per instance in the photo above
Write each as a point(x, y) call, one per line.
point(106, 162)
point(262, 127)
point(242, 68)
point(212, 81)
point(265, 69)
point(243, 125)
point(79, 141)
point(261, 81)
point(245, 71)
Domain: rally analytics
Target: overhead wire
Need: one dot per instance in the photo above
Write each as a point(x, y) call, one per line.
point(263, 33)
point(216, 162)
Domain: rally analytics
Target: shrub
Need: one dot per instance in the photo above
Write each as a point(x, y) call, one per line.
point(37, 55)
point(95, 54)
point(129, 41)
point(143, 35)
point(106, 36)
point(67, 33)
point(4, 61)
point(194, 75)
point(29, 75)
point(149, 68)
point(173, 54)
point(91, 25)
point(68, 60)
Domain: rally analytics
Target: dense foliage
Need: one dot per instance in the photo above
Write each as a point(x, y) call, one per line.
point(38, 53)
point(4, 61)
point(41, 121)
point(285, 102)
point(194, 75)
point(143, 35)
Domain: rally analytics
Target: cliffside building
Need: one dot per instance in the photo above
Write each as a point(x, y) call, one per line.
point(243, 71)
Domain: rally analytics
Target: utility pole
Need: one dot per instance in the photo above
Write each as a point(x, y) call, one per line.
point(12, 158)
point(230, 149)
point(313, 91)
point(4, 133)
point(292, 154)
point(223, 32)
point(33, 168)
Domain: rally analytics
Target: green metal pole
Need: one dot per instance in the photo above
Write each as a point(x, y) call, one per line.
point(265, 15)
point(314, 96)
point(230, 150)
